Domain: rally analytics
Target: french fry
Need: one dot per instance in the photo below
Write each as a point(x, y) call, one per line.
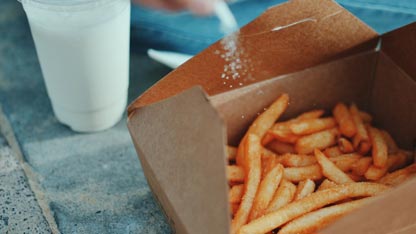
point(235, 193)
point(331, 171)
point(379, 151)
point(345, 145)
point(281, 147)
point(399, 176)
point(265, 120)
point(344, 120)
point(283, 196)
point(364, 147)
point(231, 153)
point(297, 160)
point(304, 188)
point(253, 173)
point(316, 220)
point(356, 178)
point(235, 173)
point(392, 147)
point(268, 163)
point(265, 192)
point(326, 184)
point(313, 114)
point(312, 202)
point(297, 174)
point(365, 117)
point(344, 162)
point(332, 151)
point(309, 126)
point(319, 140)
point(234, 208)
point(361, 166)
point(393, 162)
point(359, 123)
point(283, 135)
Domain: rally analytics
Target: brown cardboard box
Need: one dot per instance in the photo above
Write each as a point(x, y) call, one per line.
point(181, 125)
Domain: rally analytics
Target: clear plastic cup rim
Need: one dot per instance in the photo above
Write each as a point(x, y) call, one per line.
point(68, 5)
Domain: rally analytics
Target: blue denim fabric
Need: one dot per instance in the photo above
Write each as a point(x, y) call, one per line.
point(183, 32)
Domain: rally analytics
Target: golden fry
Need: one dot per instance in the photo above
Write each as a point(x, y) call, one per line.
point(297, 160)
point(399, 176)
point(393, 162)
point(332, 151)
point(304, 188)
point(297, 174)
point(319, 140)
point(361, 166)
point(235, 193)
point(312, 202)
point(253, 173)
point(235, 173)
point(345, 162)
point(345, 145)
point(316, 220)
point(362, 134)
point(283, 196)
point(331, 171)
point(326, 184)
point(265, 192)
point(309, 126)
point(379, 151)
point(344, 120)
point(392, 147)
point(265, 121)
point(281, 147)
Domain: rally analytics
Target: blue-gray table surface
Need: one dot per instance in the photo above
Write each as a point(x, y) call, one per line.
point(90, 183)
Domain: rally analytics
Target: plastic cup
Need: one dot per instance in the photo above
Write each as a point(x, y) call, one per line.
point(83, 49)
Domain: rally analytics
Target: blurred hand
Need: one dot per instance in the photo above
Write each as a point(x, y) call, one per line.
point(199, 7)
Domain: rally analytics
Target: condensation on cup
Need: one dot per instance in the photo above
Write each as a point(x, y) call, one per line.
point(83, 49)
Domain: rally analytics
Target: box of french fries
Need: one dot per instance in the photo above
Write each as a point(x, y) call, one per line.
point(317, 137)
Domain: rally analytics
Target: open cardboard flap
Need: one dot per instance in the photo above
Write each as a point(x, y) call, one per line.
point(179, 130)
point(312, 32)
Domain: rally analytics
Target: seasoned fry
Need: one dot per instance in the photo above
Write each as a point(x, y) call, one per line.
point(235, 173)
point(364, 147)
point(253, 172)
point(344, 162)
point(331, 171)
point(304, 188)
point(231, 153)
point(234, 208)
point(283, 134)
point(312, 202)
point(332, 151)
point(309, 126)
point(313, 114)
point(344, 120)
point(284, 194)
point(268, 163)
point(319, 140)
point(265, 192)
point(326, 184)
point(379, 151)
point(297, 174)
point(392, 147)
point(312, 222)
point(235, 193)
point(281, 147)
point(366, 117)
point(393, 162)
point(359, 123)
point(297, 160)
point(361, 166)
point(399, 176)
point(345, 145)
point(266, 120)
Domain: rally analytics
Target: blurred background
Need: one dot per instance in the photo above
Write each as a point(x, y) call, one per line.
point(53, 180)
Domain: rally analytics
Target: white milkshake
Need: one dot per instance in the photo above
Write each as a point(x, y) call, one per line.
point(83, 49)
